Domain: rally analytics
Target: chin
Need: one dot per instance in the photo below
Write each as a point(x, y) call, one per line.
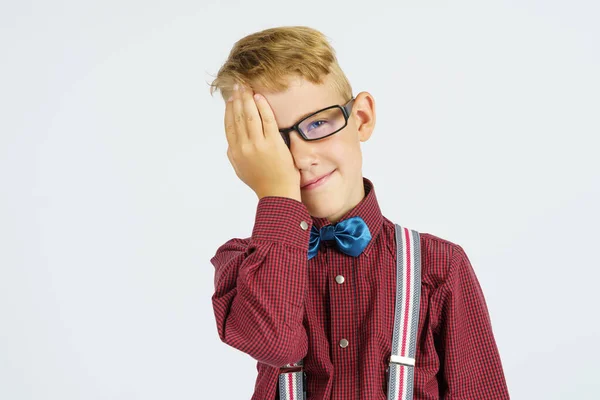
point(321, 210)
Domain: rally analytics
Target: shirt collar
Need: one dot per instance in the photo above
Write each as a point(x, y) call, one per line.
point(368, 209)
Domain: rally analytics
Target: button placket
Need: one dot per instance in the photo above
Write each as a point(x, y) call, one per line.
point(343, 300)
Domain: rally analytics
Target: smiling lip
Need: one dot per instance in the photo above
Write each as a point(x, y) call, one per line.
point(318, 181)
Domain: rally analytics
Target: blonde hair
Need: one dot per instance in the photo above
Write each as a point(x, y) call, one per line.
point(270, 57)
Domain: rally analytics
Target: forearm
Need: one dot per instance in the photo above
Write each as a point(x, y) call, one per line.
point(260, 284)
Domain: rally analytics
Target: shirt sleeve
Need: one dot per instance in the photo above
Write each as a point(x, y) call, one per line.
point(470, 364)
point(261, 282)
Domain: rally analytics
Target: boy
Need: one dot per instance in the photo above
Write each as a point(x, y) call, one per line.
point(292, 291)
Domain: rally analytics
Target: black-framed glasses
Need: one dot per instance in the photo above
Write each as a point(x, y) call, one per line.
point(320, 124)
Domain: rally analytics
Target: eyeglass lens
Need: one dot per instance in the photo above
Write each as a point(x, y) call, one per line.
point(321, 124)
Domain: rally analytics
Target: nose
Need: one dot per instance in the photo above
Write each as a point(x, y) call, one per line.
point(302, 151)
point(297, 143)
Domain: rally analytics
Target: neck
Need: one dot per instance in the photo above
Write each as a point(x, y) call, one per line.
point(355, 197)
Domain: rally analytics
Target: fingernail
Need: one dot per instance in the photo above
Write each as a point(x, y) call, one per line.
point(236, 87)
point(230, 98)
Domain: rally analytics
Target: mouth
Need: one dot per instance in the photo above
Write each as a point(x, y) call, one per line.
point(317, 182)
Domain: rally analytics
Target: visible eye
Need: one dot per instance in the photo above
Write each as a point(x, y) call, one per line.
point(315, 123)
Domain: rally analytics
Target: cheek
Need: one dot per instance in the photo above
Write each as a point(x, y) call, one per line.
point(345, 154)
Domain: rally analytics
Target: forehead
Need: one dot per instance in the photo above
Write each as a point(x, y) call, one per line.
point(300, 99)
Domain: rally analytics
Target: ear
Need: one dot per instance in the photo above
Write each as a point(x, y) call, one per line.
point(363, 111)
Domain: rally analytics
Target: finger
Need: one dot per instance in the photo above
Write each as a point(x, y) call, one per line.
point(270, 128)
point(253, 123)
point(232, 161)
point(233, 133)
point(229, 125)
point(239, 119)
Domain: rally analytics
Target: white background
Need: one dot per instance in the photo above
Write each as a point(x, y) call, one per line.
point(115, 187)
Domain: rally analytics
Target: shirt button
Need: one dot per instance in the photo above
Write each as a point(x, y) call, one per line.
point(339, 279)
point(304, 225)
point(343, 343)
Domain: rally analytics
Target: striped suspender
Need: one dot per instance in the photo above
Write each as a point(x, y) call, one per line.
point(406, 318)
point(291, 382)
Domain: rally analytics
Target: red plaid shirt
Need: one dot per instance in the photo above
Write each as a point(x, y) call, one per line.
point(274, 304)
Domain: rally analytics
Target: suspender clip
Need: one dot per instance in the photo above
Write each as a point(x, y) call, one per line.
point(401, 360)
point(288, 369)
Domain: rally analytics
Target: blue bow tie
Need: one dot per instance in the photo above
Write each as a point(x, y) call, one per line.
point(351, 236)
